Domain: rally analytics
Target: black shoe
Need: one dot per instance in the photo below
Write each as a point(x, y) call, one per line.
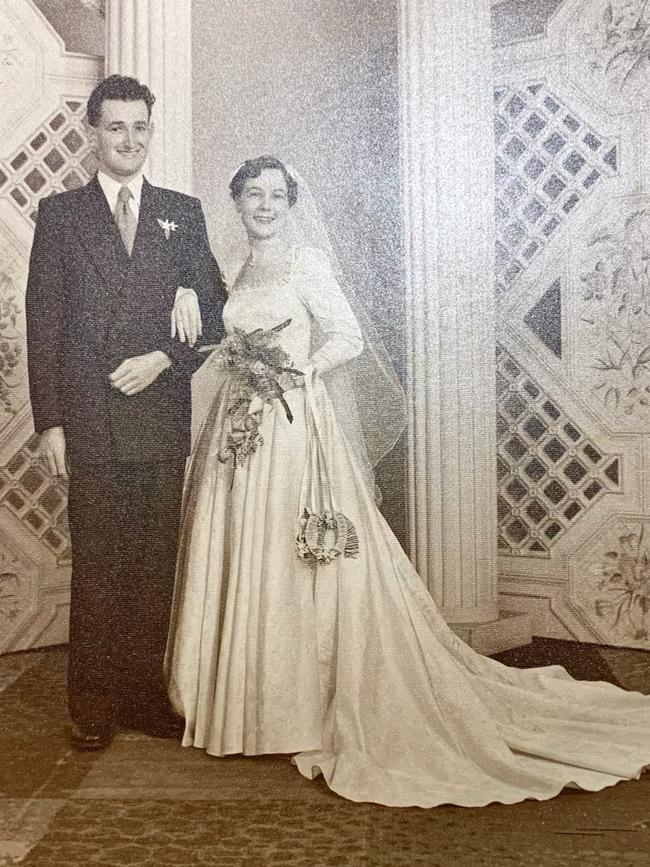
point(90, 738)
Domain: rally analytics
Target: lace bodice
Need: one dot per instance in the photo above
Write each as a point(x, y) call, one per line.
point(323, 329)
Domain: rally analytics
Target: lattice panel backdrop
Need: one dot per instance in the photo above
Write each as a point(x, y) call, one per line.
point(550, 473)
point(549, 161)
point(573, 288)
point(56, 158)
point(42, 149)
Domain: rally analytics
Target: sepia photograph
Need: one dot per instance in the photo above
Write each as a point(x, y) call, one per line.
point(324, 408)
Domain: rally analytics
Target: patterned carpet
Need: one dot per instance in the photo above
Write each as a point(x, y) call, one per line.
point(149, 802)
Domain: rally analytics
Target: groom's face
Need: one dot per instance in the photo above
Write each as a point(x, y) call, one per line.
point(121, 138)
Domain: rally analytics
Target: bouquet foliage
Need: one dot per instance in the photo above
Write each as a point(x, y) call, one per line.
point(261, 371)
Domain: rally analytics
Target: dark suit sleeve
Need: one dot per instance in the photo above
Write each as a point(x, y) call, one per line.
point(45, 304)
point(199, 271)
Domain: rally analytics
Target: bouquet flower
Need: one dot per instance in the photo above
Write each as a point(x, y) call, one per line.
point(262, 371)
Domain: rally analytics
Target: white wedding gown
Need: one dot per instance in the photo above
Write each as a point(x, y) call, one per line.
point(349, 666)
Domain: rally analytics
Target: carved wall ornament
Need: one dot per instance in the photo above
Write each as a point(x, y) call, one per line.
point(610, 581)
point(614, 298)
point(9, 595)
point(10, 59)
point(21, 67)
point(13, 57)
point(10, 587)
point(624, 574)
point(617, 35)
point(11, 349)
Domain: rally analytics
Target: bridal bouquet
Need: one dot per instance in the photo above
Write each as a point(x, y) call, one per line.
point(262, 371)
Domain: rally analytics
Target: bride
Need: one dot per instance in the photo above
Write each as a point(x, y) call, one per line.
point(299, 624)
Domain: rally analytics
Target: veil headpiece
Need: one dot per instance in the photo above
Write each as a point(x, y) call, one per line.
point(366, 394)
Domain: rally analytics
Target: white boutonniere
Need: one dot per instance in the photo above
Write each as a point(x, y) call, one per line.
point(168, 226)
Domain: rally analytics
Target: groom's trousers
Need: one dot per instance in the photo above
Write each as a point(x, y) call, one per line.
point(124, 520)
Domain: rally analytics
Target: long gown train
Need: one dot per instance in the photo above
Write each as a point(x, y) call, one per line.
point(349, 666)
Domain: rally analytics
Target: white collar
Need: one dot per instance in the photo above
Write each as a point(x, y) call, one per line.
point(112, 188)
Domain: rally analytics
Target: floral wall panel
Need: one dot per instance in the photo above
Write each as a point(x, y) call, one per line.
point(43, 149)
point(13, 274)
point(612, 303)
point(573, 293)
point(21, 67)
point(18, 585)
point(608, 43)
point(610, 581)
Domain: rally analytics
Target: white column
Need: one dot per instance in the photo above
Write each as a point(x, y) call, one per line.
point(152, 41)
point(448, 160)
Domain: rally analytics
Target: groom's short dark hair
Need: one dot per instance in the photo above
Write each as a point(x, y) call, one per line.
point(121, 87)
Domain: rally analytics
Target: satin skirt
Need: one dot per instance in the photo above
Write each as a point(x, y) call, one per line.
point(349, 666)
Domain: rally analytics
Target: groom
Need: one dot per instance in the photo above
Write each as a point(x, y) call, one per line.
point(110, 392)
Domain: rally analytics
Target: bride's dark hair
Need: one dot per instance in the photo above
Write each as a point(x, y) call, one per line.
point(253, 169)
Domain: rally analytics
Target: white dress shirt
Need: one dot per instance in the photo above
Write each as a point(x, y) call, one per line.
point(112, 188)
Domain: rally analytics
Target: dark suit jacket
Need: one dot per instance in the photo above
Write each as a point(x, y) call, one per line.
point(89, 306)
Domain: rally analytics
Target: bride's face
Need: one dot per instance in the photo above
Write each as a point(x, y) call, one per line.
point(263, 204)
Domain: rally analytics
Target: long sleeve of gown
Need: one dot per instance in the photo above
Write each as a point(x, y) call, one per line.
point(328, 306)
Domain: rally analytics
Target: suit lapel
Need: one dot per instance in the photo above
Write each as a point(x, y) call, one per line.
point(98, 232)
point(149, 243)
point(100, 236)
point(152, 251)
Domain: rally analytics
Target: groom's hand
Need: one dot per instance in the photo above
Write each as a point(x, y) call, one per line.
point(51, 451)
point(136, 374)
